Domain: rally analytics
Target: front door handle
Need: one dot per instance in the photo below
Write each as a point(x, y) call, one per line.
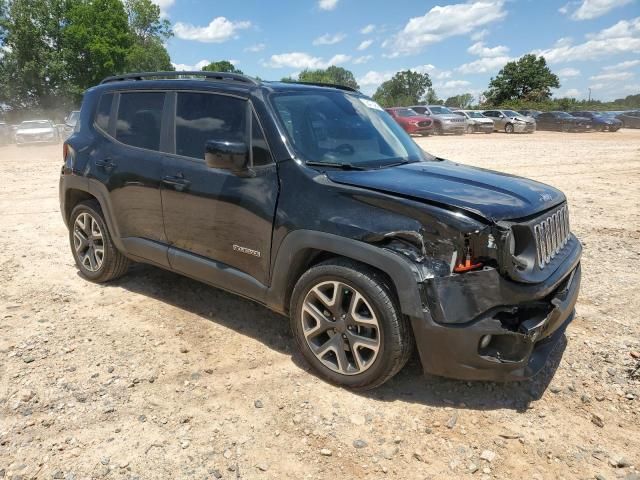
point(178, 182)
point(107, 165)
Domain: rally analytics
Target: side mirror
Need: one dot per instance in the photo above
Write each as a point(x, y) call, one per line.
point(233, 156)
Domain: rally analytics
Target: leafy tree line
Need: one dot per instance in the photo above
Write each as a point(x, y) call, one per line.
point(53, 50)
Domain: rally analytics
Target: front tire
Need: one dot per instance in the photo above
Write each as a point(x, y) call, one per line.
point(348, 326)
point(95, 255)
point(508, 128)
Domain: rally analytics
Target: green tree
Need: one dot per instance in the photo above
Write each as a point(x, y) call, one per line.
point(32, 68)
point(404, 89)
point(149, 32)
point(222, 66)
point(431, 97)
point(463, 101)
point(332, 75)
point(97, 41)
point(528, 78)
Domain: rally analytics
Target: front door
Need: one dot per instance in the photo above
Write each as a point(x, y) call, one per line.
point(213, 213)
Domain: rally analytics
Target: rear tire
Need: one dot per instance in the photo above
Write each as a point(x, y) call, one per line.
point(95, 255)
point(348, 325)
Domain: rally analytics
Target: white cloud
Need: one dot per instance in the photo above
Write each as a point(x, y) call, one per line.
point(479, 35)
point(623, 37)
point(373, 78)
point(612, 77)
point(590, 9)
point(363, 59)
point(219, 30)
point(480, 50)
point(197, 67)
point(565, 8)
point(258, 47)
point(484, 65)
point(572, 92)
point(327, 4)
point(329, 39)
point(164, 6)
point(622, 65)
point(303, 60)
point(368, 29)
point(568, 72)
point(365, 44)
point(440, 23)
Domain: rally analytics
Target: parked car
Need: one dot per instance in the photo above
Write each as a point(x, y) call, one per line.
point(529, 113)
point(563, 122)
point(509, 121)
point(36, 131)
point(314, 202)
point(476, 121)
point(630, 119)
point(412, 122)
point(6, 135)
point(444, 120)
point(599, 121)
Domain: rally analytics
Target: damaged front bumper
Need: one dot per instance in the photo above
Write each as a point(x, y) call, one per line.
point(482, 326)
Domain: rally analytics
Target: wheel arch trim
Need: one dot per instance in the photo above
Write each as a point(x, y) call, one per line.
point(403, 274)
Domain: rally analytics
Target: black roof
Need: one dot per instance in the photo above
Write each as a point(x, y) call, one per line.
point(219, 78)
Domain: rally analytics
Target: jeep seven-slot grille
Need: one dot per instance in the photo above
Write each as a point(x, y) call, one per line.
point(551, 235)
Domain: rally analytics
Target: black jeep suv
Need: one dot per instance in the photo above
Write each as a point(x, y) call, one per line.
point(312, 200)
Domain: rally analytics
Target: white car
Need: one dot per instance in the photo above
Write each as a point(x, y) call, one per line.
point(476, 121)
point(36, 131)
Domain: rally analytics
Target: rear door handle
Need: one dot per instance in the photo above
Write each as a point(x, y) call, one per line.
point(178, 182)
point(107, 165)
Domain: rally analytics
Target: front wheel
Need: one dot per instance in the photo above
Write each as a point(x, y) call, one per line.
point(96, 256)
point(508, 128)
point(470, 129)
point(348, 326)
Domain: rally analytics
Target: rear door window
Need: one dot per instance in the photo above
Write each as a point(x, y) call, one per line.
point(140, 119)
point(201, 117)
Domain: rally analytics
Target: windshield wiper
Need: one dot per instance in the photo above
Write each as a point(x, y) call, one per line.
point(396, 164)
point(343, 166)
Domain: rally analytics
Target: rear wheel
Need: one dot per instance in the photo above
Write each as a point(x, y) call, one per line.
point(348, 326)
point(96, 256)
point(470, 129)
point(508, 128)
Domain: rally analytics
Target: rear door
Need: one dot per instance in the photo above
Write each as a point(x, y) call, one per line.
point(213, 213)
point(129, 161)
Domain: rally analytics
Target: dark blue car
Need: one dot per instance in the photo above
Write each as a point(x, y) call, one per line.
point(600, 121)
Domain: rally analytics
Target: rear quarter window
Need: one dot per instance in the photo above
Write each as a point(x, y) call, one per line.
point(104, 111)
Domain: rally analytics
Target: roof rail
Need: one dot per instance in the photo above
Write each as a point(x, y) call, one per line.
point(330, 85)
point(220, 76)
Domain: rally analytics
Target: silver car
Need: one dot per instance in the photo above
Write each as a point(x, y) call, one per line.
point(476, 121)
point(509, 121)
point(36, 131)
point(444, 120)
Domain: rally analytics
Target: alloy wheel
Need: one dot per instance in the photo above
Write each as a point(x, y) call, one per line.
point(340, 327)
point(508, 128)
point(88, 242)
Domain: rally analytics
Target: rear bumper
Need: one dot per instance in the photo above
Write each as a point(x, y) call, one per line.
point(525, 322)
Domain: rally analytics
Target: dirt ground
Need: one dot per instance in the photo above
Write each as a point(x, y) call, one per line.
point(156, 376)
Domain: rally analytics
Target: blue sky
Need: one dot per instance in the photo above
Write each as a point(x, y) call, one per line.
point(588, 43)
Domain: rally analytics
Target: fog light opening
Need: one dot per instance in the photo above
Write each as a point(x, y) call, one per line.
point(485, 340)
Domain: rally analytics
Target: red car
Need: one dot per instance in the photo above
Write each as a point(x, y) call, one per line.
point(411, 121)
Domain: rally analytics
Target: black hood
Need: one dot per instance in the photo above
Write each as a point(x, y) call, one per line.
point(492, 195)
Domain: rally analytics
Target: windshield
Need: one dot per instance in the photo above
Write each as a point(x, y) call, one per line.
point(406, 112)
point(339, 128)
point(440, 110)
point(475, 115)
point(511, 113)
point(35, 124)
